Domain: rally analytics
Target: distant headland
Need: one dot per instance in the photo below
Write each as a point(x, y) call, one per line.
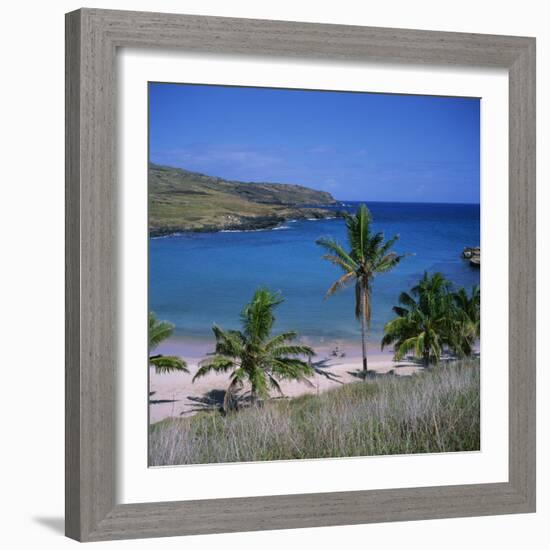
point(180, 200)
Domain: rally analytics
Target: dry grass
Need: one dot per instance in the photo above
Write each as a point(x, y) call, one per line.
point(435, 411)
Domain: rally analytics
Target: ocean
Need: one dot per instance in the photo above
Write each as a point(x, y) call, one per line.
point(197, 279)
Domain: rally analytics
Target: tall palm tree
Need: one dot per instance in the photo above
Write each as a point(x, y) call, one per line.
point(466, 329)
point(424, 320)
point(368, 256)
point(158, 332)
point(254, 355)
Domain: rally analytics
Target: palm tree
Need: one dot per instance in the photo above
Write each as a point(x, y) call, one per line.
point(424, 320)
point(158, 332)
point(254, 355)
point(369, 255)
point(466, 329)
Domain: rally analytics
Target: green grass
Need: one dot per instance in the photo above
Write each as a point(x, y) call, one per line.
point(436, 411)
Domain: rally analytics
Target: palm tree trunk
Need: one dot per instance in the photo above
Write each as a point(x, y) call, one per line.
point(363, 332)
point(253, 396)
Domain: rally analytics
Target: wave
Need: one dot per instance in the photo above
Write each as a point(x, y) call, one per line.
point(179, 234)
point(241, 230)
point(254, 230)
point(184, 233)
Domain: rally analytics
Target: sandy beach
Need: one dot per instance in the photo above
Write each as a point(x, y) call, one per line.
point(175, 395)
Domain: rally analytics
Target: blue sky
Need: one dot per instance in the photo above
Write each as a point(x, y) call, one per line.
point(357, 146)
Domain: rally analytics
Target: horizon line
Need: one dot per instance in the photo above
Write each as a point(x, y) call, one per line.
point(408, 202)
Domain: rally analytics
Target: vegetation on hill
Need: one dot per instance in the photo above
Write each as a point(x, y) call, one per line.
point(180, 200)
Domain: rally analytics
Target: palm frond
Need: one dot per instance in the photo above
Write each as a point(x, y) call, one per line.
point(388, 244)
point(275, 385)
point(373, 246)
point(281, 351)
point(281, 339)
point(228, 342)
point(291, 368)
point(405, 347)
point(168, 363)
point(217, 363)
point(401, 311)
point(341, 283)
point(337, 261)
point(158, 331)
point(257, 317)
point(336, 249)
point(407, 300)
point(358, 229)
point(388, 262)
point(395, 330)
point(259, 383)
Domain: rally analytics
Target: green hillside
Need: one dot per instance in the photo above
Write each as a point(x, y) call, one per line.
point(180, 200)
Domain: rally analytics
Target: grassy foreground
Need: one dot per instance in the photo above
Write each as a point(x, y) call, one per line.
point(436, 411)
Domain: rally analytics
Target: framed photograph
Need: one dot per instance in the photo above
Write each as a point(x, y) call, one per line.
point(278, 313)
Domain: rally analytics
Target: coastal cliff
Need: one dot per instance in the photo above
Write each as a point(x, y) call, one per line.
point(180, 200)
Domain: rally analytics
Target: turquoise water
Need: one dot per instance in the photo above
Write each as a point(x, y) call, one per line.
point(197, 279)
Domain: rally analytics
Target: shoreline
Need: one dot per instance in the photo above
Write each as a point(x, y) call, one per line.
point(175, 395)
point(260, 223)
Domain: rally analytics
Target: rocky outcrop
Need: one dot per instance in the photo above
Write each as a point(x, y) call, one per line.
point(247, 223)
point(473, 254)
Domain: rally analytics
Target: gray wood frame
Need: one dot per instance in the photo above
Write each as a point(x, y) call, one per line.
point(92, 38)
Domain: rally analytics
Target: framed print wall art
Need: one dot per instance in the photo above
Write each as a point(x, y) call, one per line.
point(278, 313)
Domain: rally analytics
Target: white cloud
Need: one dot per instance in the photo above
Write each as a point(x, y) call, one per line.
point(203, 156)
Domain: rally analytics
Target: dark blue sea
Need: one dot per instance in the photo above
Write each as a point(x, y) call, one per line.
point(197, 279)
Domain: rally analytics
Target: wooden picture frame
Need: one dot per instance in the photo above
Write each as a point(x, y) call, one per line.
point(92, 39)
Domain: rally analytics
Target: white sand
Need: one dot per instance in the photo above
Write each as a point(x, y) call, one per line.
point(175, 395)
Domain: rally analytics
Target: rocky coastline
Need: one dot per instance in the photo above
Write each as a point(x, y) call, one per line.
point(247, 223)
point(473, 255)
